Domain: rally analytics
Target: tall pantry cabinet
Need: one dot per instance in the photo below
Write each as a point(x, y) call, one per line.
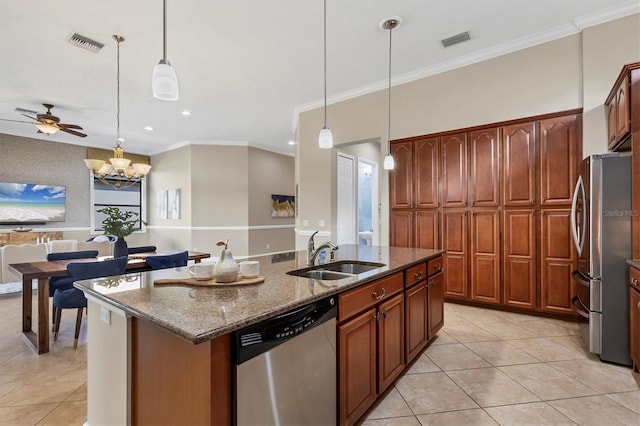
point(497, 199)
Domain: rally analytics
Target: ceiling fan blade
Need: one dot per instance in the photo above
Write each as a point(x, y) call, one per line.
point(33, 118)
point(73, 132)
point(15, 121)
point(22, 111)
point(69, 126)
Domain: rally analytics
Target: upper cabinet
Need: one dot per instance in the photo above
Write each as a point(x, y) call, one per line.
point(558, 159)
point(414, 179)
point(518, 147)
point(401, 177)
point(484, 148)
point(454, 170)
point(617, 108)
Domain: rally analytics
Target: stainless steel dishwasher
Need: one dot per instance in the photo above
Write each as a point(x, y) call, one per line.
point(285, 368)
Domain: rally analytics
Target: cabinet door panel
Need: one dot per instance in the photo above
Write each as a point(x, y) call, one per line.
point(401, 228)
point(485, 168)
point(622, 109)
point(556, 285)
point(454, 236)
point(415, 320)
point(454, 170)
point(634, 310)
point(435, 304)
point(390, 341)
point(426, 158)
point(400, 178)
point(427, 229)
point(558, 145)
point(518, 147)
point(519, 280)
point(357, 366)
point(611, 124)
point(485, 256)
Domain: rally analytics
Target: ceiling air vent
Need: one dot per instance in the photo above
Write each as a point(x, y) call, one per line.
point(458, 38)
point(86, 43)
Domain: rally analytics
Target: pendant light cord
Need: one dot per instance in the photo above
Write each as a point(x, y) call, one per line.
point(389, 91)
point(118, 39)
point(325, 61)
point(164, 31)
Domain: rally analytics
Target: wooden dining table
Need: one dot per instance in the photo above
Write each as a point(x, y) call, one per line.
point(44, 270)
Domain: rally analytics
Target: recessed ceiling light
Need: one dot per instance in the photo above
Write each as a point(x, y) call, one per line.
point(148, 128)
point(186, 112)
point(292, 143)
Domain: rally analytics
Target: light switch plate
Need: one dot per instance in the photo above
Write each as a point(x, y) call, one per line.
point(105, 315)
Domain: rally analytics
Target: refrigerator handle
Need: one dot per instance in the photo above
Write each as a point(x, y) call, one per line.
point(578, 240)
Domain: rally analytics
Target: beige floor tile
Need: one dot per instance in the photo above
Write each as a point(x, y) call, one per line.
point(599, 376)
point(545, 382)
point(469, 333)
point(596, 410)
point(507, 330)
point(25, 414)
point(454, 357)
point(475, 417)
point(454, 319)
point(79, 395)
point(432, 393)
point(543, 327)
point(391, 406)
point(398, 421)
point(501, 353)
point(67, 413)
point(489, 387)
point(480, 316)
point(546, 349)
point(423, 365)
point(40, 392)
point(631, 400)
point(443, 338)
point(535, 413)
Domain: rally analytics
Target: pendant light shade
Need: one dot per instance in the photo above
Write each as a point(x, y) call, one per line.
point(389, 24)
point(325, 138)
point(164, 80)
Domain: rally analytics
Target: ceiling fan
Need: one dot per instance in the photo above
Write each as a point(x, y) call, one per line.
point(48, 123)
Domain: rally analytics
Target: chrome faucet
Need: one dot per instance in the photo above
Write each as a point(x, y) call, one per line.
point(313, 252)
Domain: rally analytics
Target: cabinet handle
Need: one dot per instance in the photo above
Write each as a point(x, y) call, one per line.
point(639, 306)
point(635, 282)
point(612, 137)
point(379, 296)
point(429, 284)
point(438, 266)
point(384, 313)
point(418, 275)
point(376, 316)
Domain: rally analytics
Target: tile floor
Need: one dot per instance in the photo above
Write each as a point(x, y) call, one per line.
point(486, 367)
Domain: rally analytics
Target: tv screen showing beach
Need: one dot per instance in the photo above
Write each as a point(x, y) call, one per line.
point(26, 202)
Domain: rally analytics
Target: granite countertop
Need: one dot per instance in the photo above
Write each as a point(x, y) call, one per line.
point(634, 262)
point(198, 314)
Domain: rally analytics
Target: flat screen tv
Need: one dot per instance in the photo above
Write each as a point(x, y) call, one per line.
point(31, 203)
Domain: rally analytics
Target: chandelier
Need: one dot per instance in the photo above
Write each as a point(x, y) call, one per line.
point(119, 172)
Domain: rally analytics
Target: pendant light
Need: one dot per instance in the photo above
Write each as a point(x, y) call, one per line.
point(164, 80)
point(389, 24)
point(325, 138)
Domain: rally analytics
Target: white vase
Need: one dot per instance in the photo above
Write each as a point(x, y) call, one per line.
point(226, 269)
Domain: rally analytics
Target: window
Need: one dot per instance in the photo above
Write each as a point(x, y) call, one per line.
point(127, 199)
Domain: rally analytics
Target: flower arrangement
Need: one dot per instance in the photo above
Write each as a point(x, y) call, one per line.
point(119, 223)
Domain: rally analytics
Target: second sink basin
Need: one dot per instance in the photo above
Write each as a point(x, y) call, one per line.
point(336, 270)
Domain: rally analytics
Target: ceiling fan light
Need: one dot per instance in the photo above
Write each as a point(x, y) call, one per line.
point(388, 163)
point(47, 128)
point(325, 138)
point(164, 82)
point(94, 165)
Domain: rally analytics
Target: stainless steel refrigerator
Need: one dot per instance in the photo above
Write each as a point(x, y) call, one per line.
point(601, 228)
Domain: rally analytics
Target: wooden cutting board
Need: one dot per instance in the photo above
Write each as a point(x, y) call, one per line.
point(207, 283)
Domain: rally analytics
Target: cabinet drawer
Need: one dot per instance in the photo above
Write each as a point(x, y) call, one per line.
point(363, 297)
point(434, 265)
point(634, 278)
point(414, 274)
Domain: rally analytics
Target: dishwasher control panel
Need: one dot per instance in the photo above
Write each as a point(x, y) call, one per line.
point(258, 338)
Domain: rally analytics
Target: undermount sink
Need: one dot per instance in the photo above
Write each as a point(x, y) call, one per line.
point(336, 270)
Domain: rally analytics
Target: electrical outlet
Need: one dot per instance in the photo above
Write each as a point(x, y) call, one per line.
point(105, 315)
point(268, 246)
point(321, 223)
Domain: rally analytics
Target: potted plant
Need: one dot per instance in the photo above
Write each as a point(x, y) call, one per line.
point(119, 224)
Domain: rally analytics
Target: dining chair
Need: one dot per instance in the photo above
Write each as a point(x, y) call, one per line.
point(166, 261)
point(105, 248)
point(23, 253)
point(57, 246)
point(73, 298)
point(142, 249)
point(66, 281)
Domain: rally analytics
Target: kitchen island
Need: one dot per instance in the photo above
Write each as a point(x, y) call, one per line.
point(162, 353)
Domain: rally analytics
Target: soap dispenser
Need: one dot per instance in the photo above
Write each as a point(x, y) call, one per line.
point(226, 269)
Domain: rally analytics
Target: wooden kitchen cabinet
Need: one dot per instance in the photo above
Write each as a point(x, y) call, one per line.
point(454, 170)
point(414, 228)
point(402, 225)
point(634, 317)
point(484, 152)
point(414, 178)
point(617, 108)
point(518, 148)
point(455, 258)
point(557, 262)
point(435, 296)
point(401, 177)
point(390, 341)
point(558, 159)
point(416, 318)
point(485, 256)
point(519, 258)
